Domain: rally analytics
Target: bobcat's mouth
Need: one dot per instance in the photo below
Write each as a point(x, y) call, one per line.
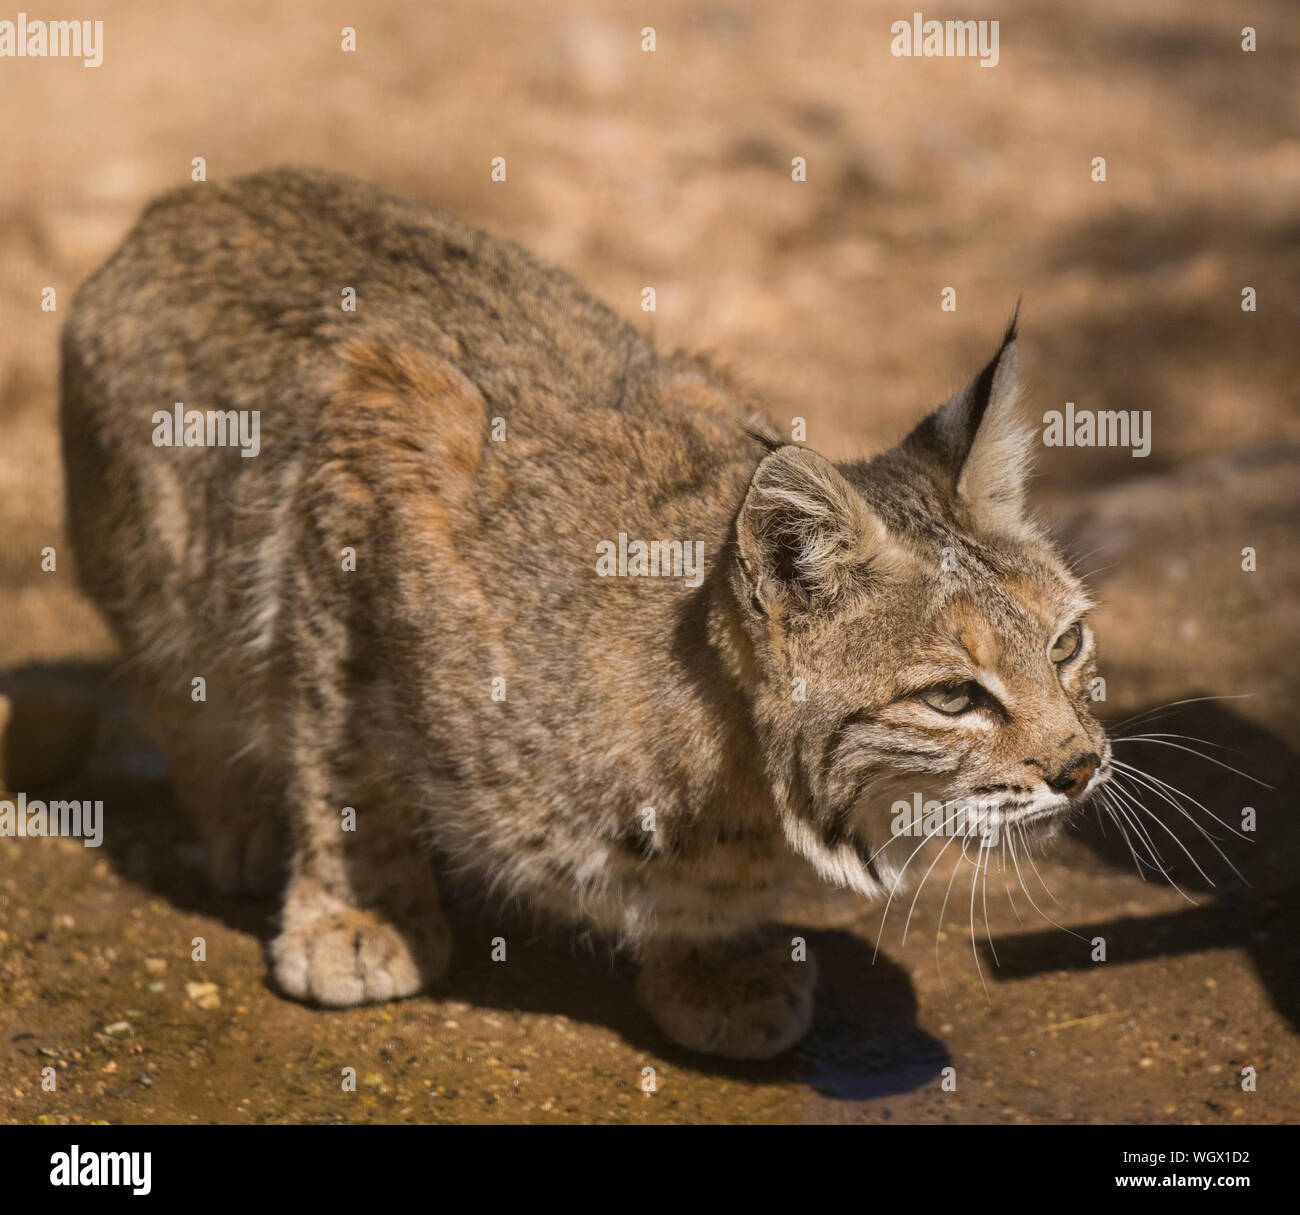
point(1033, 816)
point(1049, 806)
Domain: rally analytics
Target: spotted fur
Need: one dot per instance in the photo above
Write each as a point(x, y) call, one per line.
point(371, 689)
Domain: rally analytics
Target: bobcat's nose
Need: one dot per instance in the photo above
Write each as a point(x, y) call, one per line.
point(1074, 777)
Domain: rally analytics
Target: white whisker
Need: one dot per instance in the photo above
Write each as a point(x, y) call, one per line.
point(1133, 801)
point(973, 947)
point(1182, 810)
point(1030, 897)
point(1160, 742)
point(1129, 768)
point(1174, 704)
point(921, 886)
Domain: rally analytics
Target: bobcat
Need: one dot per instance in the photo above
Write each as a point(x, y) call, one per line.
point(421, 625)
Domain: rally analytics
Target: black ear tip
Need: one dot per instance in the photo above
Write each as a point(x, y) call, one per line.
point(759, 435)
point(1013, 328)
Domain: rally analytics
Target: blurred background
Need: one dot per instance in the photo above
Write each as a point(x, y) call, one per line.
point(672, 169)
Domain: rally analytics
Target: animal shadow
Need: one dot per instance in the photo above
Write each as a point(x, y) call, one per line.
point(858, 1048)
point(1242, 885)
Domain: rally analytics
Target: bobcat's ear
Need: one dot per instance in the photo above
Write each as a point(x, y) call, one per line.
point(980, 446)
point(806, 538)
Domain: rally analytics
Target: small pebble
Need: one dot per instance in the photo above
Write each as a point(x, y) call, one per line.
point(205, 995)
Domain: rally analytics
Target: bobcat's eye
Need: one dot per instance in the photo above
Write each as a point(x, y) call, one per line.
point(951, 700)
point(1066, 646)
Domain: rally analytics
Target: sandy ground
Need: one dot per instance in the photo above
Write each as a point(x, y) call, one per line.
point(672, 170)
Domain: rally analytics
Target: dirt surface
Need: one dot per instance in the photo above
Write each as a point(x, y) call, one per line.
point(672, 170)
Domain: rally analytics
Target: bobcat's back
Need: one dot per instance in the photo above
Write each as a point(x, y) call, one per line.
point(468, 434)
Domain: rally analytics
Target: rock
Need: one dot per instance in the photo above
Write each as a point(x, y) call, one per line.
point(204, 995)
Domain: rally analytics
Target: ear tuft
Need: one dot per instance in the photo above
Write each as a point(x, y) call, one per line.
point(979, 444)
point(806, 538)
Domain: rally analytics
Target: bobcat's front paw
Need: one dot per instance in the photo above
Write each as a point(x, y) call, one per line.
point(342, 956)
point(741, 1005)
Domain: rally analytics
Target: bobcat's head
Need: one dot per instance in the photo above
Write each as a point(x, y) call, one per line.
point(920, 642)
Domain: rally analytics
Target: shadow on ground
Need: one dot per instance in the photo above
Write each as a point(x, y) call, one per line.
point(858, 1050)
point(1154, 827)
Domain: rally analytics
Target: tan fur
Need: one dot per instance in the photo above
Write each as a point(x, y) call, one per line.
point(371, 690)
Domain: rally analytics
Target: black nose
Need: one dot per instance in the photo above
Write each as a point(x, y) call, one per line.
point(1074, 777)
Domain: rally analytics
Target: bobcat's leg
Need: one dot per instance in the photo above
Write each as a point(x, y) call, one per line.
point(747, 1000)
point(233, 799)
point(236, 815)
point(361, 918)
